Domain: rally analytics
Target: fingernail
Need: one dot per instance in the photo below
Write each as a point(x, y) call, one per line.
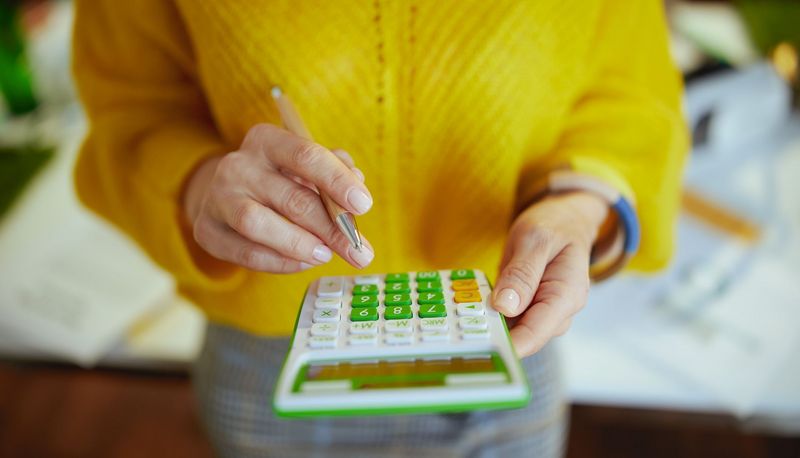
point(358, 173)
point(507, 300)
point(322, 253)
point(360, 201)
point(363, 257)
point(305, 266)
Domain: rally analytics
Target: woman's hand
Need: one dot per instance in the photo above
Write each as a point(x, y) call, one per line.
point(544, 274)
point(257, 207)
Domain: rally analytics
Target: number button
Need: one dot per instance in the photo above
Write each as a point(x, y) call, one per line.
point(398, 312)
point(397, 299)
point(394, 278)
point(364, 314)
point(430, 298)
point(470, 309)
point(428, 286)
point(467, 296)
point(326, 316)
point(427, 276)
point(365, 301)
point(371, 290)
point(465, 285)
point(432, 311)
point(399, 287)
point(462, 274)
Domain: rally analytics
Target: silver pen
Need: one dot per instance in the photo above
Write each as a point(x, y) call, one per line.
point(343, 219)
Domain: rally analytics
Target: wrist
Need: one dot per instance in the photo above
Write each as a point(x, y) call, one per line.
point(584, 211)
point(195, 188)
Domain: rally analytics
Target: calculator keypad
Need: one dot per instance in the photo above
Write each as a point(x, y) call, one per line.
point(398, 309)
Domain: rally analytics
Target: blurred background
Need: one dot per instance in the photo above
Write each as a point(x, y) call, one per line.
point(700, 360)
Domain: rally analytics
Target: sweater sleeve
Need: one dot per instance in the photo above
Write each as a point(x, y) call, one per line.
point(149, 126)
point(626, 126)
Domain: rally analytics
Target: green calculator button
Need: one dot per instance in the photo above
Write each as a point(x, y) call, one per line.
point(394, 278)
point(399, 312)
point(365, 301)
point(427, 286)
point(364, 314)
point(365, 289)
point(399, 287)
point(430, 298)
point(397, 299)
point(462, 274)
point(432, 311)
point(427, 276)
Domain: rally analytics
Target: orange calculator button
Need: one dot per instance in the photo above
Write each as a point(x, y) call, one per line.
point(467, 296)
point(465, 285)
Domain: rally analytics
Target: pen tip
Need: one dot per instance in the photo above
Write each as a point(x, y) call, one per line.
point(276, 92)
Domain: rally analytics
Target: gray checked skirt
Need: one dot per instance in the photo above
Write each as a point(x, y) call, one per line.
point(234, 379)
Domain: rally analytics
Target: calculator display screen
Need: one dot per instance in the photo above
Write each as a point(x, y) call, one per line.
point(405, 372)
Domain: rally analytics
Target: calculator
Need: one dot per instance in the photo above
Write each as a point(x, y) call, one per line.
point(409, 342)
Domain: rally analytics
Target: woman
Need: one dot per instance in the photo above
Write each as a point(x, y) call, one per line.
point(458, 113)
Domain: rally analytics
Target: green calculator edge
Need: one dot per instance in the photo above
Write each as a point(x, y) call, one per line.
point(431, 408)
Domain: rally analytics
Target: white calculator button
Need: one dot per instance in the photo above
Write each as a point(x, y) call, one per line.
point(398, 326)
point(367, 279)
point(322, 342)
point(326, 316)
point(330, 287)
point(399, 338)
point(475, 334)
point(324, 329)
point(472, 322)
point(433, 324)
point(435, 336)
point(470, 309)
point(364, 327)
point(328, 303)
point(363, 339)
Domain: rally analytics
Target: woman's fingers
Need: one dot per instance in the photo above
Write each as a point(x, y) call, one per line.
point(311, 162)
point(561, 293)
point(224, 243)
point(264, 226)
point(529, 253)
point(304, 208)
point(345, 157)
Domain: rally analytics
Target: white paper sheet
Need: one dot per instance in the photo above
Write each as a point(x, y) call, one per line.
point(75, 294)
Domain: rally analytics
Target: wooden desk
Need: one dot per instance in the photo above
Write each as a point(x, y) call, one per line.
point(58, 410)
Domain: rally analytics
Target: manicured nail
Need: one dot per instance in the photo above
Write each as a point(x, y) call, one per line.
point(507, 300)
point(360, 201)
point(322, 253)
point(358, 173)
point(363, 257)
point(305, 266)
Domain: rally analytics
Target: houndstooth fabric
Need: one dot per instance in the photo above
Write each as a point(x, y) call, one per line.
point(234, 380)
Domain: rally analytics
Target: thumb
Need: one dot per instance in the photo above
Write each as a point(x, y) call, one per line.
point(519, 278)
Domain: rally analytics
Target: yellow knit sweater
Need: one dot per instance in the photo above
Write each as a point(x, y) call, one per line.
point(450, 107)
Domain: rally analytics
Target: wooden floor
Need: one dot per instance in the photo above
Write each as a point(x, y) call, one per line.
point(60, 411)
